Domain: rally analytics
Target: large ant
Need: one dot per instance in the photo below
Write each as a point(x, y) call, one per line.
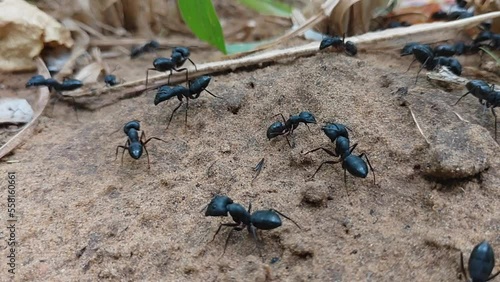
point(66, 85)
point(425, 55)
point(355, 165)
point(260, 219)
point(176, 60)
point(134, 144)
point(288, 126)
point(149, 47)
point(196, 86)
point(481, 263)
point(481, 90)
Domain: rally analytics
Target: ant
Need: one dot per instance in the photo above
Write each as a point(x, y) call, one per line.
point(176, 60)
point(149, 47)
point(481, 263)
point(66, 85)
point(481, 90)
point(196, 86)
point(288, 126)
point(111, 80)
point(134, 144)
point(355, 165)
point(425, 55)
point(340, 44)
point(260, 219)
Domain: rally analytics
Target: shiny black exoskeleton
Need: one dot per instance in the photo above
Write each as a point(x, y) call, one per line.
point(445, 50)
point(453, 64)
point(176, 60)
point(340, 44)
point(261, 219)
point(487, 95)
point(481, 263)
point(196, 86)
point(36, 80)
point(355, 165)
point(408, 48)
point(111, 80)
point(334, 130)
point(288, 126)
point(149, 47)
point(66, 85)
point(135, 144)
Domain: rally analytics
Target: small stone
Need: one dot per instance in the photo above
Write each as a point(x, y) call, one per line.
point(315, 193)
point(225, 148)
point(460, 150)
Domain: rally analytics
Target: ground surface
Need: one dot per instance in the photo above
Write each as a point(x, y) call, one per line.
point(83, 216)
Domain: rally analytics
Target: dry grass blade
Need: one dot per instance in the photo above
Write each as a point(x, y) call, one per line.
point(388, 39)
point(418, 125)
point(27, 130)
point(81, 44)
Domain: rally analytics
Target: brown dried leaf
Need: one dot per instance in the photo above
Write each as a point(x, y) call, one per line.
point(24, 30)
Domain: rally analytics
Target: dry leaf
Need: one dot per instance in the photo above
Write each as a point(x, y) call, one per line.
point(40, 105)
point(24, 30)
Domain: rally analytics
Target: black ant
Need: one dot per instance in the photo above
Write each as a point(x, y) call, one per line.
point(66, 85)
point(288, 126)
point(260, 219)
point(481, 263)
point(340, 44)
point(111, 80)
point(176, 60)
point(425, 55)
point(196, 86)
point(355, 165)
point(149, 47)
point(134, 144)
point(481, 90)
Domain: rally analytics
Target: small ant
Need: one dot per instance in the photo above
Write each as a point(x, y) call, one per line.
point(176, 60)
point(481, 263)
point(340, 44)
point(196, 86)
point(149, 47)
point(288, 126)
point(134, 144)
point(260, 219)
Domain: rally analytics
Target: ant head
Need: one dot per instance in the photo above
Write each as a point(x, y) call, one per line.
point(350, 48)
point(218, 206)
point(135, 150)
point(163, 64)
point(36, 80)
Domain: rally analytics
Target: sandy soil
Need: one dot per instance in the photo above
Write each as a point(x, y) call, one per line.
point(83, 216)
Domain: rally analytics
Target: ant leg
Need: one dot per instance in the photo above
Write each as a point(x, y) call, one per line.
point(461, 98)
point(352, 148)
point(280, 114)
point(220, 226)
point(278, 212)
point(127, 144)
point(173, 112)
point(195, 68)
point(252, 229)
point(212, 94)
point(308, 127)
point(147, 155)
point(288, 141)
point(227, 241)
point(325, 162)
point(147, 75)
point(118, 147)
point(187, 76)
point(420, 69)
point(495, 115)
point(493, 276)
point(371, 168)
point(156, 138)
point(168, 80)
point(410, 65)
point(462, 266)
point(331, 153)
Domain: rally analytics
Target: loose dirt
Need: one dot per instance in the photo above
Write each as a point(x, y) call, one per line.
point(84, 216)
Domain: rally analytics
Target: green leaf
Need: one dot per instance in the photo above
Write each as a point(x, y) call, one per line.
point(200, 17)
point(234, 48)
point(269, 7)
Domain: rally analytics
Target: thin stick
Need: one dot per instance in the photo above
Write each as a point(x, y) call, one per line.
point(418, 126)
